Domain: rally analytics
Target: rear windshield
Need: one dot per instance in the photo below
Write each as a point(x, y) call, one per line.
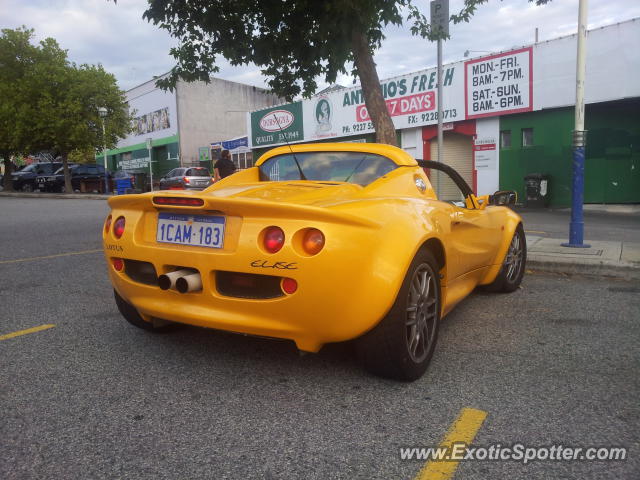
point(198, 172)
point(353, 167)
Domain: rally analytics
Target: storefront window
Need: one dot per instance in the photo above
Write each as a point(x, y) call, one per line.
point(505, 139)
point(527, 137)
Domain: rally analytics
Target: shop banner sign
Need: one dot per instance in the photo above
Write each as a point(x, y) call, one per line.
point(485, 154)
point(277, 125)
point(499, 84)
point(410, 99)
point(133, 163)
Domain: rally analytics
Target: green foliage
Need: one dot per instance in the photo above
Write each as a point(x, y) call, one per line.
point(49, 103)
point(70, 119)
point(294, 42)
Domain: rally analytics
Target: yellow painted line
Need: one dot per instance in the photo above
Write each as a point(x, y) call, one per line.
point(29, 259)
point(26, 332)
point(534, 231)
point(463, 430)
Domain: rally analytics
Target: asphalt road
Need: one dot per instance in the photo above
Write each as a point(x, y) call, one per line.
point(556, 362)
point(598, 225)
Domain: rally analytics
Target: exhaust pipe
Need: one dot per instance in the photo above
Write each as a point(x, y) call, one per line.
point(189, 283)
point(168, 280)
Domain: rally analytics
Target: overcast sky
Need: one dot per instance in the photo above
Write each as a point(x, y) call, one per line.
point(98, 31)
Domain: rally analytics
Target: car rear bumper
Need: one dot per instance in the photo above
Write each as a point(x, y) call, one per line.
point(333, 301)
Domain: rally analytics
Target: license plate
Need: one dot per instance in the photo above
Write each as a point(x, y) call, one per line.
point(195, 230)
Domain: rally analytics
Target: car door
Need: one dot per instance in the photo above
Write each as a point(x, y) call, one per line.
point(78, 174)
point(474, 233)
point(92, 173)
point(166, 180)
point(176, 179)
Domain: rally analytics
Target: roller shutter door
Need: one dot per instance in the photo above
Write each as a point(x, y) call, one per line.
point(458, 153)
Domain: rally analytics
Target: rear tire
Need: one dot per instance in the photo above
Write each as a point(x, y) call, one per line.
point(510, 276)
point(402, 344)
point(132, 316)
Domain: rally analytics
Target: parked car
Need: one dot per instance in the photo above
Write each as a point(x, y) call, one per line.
point(317, 243)
point(25, 179)
point(191, 178)
point(88, 173)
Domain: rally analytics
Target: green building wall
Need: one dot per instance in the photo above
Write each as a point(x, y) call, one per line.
point(164, 154)
point(612, 165)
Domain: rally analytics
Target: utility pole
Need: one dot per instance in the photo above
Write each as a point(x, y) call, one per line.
point(149, 147)
point(576, 227)
point(102, 112)
point(440, 26)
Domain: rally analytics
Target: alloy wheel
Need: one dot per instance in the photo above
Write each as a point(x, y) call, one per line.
point(421, 313)
point(513, 261)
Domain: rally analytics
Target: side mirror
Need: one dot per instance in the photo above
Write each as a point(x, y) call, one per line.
point(503, 197)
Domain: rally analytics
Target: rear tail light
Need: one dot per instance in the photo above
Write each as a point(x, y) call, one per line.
point(118, 264)
point(118, 227)
point(186, 180)
point(273, 239)
point(313, 241)
point(107, 224)
point(289, 285)
point(179, 201)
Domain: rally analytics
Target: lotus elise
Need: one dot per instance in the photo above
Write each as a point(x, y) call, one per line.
point(317, 243)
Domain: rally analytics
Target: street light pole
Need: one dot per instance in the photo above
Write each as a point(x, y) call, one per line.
point(103, 115)
point(576, 227)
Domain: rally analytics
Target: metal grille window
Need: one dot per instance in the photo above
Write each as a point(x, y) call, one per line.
point(527, 137)
point(505, 139)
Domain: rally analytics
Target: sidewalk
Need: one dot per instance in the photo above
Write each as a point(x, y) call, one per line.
point(65, 196)
point(605, 258)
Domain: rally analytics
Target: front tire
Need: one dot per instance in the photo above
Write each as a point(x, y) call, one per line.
point(132, 316)
point(402, 344)
point(510, 276)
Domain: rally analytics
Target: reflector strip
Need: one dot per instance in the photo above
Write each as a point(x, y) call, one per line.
point(182, 202)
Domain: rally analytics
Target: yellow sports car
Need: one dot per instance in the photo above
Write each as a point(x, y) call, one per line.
point(317, 243)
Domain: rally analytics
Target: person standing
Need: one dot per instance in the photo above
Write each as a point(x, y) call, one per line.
point(223, 167)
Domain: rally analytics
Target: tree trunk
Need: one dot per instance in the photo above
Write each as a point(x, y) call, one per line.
point(68, 188)
point(373, 99)
point(7, 181)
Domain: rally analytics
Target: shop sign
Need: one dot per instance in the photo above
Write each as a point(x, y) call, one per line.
point(485, 153)
point(277, 125)
point(499, 84)
point(133, 163)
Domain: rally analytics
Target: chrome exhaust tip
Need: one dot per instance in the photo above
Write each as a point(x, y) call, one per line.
point(168, 280)
point(189, 283)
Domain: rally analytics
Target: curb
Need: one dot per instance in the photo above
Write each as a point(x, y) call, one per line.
point(61, 196)
point(619, 270)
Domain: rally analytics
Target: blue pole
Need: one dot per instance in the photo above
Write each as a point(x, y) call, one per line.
point(576, 227)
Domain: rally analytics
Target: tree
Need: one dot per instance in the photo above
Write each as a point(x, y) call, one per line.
point(70, 118)
point(20, 64)
point(51, 104)
point(293, 41)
